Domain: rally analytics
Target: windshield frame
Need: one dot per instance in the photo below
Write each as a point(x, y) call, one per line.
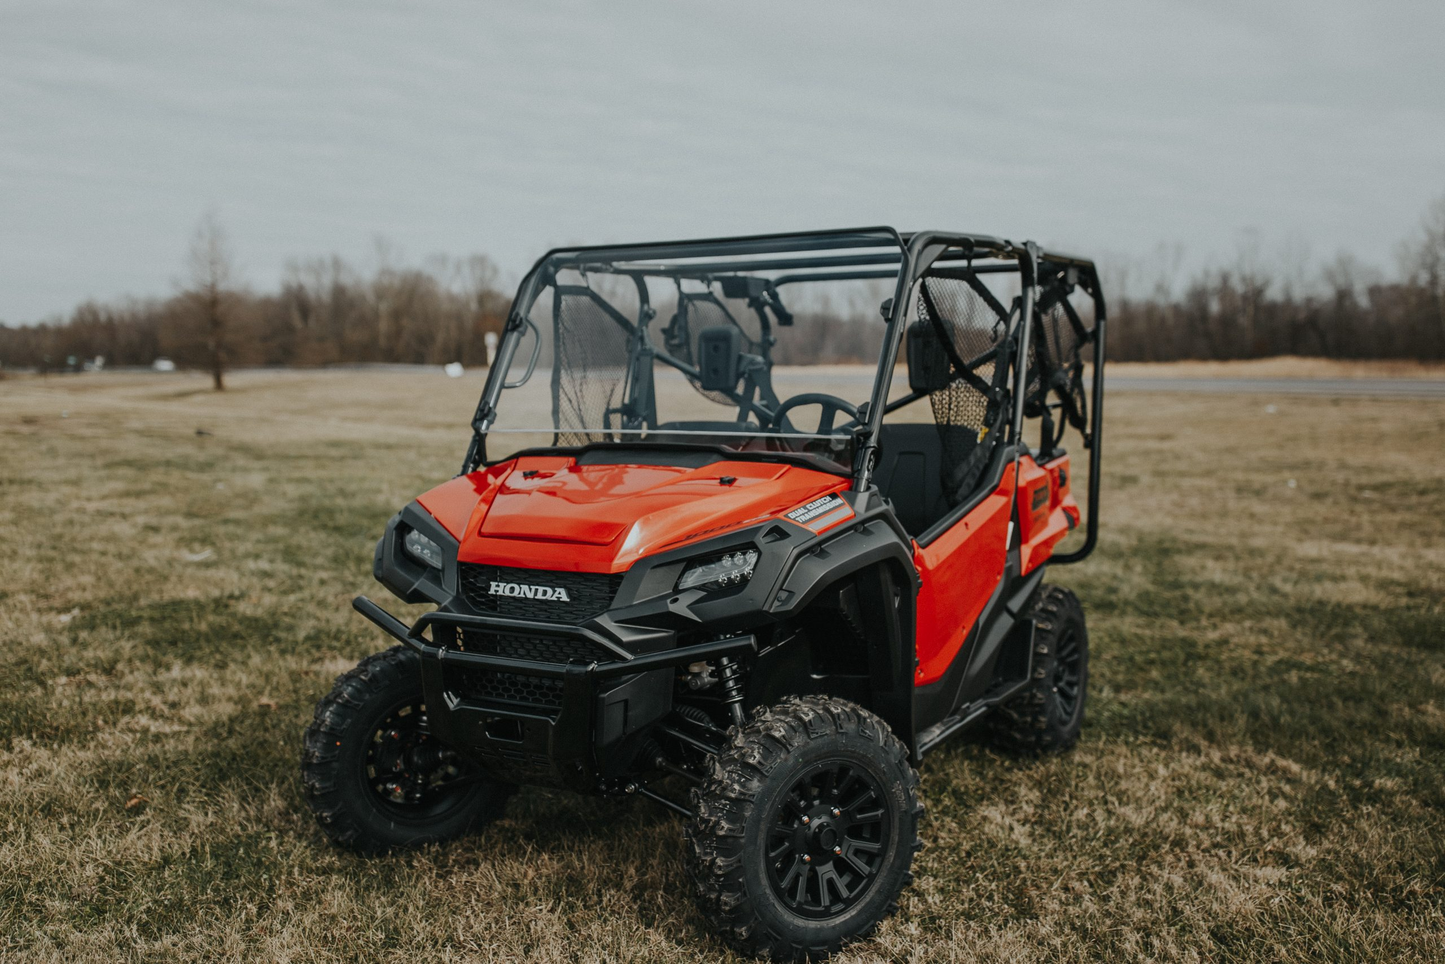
point(915, 254)
point(804, 256)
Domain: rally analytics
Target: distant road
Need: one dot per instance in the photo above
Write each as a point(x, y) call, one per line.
point(1335, 387)
point(856, 380)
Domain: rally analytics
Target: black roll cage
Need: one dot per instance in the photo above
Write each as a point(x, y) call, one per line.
point(919, 254)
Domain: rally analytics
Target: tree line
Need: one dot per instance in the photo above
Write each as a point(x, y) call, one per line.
point(1346, 309)
point(326, 312)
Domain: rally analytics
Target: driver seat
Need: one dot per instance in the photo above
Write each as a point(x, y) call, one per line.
point(910, 470)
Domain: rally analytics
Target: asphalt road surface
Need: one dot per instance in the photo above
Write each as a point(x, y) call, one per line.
point(856, 382)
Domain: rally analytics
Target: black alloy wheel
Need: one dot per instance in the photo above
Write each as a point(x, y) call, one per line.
point(1069, 672)
point(409, 772)
point(827, 839)
point(375, 775)
point(804, 829)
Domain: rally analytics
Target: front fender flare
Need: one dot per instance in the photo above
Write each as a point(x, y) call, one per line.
point(872, 554)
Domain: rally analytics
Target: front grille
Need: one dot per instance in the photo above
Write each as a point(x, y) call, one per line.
point(519, 689)
point(511, 689)
point(588, 593)
point(543, 649)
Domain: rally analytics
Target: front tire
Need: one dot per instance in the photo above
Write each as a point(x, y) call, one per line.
point(805, 829)
point(375, 777)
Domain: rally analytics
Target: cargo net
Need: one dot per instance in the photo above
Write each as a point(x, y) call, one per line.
point(591, 352)
point(1056, 368)
point(970, 412)
point(695, 312)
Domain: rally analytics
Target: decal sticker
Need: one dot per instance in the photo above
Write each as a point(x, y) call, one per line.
point(822, 513)
point(1041, 497)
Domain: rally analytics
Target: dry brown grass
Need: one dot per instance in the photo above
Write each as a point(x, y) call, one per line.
point(1282, 367)
point(1260, 776)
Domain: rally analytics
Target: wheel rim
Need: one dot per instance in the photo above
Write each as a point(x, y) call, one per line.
point(827, 839)
point(1068, 673)
point(408, 773)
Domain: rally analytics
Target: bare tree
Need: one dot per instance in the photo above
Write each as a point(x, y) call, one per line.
point(1424, 264)
point(211, 270)
point(485, 304)
point(444, 310)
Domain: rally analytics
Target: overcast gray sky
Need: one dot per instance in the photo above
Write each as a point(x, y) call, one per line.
point(503, 128)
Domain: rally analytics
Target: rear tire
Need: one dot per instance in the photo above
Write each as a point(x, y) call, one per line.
point(375, 777)
point(1048, 715)
point(805, 828)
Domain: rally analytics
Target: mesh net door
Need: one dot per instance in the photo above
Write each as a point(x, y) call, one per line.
point(971, 410)
point(589, 373)
point(1056, 361)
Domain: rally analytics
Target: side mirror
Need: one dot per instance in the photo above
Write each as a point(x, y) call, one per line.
point(718, 349)
point(928, 369)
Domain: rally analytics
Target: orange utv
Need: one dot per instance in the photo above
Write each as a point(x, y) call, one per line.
point(746, 527)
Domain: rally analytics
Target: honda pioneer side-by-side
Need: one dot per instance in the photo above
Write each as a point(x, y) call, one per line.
point(746, 527)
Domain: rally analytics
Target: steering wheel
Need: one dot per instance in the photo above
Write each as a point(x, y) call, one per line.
point(831, 404)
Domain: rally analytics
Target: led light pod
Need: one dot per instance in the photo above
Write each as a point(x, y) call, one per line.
point(422, 549)
point(732, 569)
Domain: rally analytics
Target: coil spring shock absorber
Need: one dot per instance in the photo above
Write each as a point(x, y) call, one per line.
point(730, 676)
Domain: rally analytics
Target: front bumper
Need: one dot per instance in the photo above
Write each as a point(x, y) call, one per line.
point(605, 708)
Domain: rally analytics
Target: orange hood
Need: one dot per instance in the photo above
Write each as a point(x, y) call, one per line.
point(548, 512)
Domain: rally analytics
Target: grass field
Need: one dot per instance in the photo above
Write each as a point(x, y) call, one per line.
point(1262, 773)
point(1283, 367)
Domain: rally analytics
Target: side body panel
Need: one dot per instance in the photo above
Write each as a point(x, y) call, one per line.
point(960, 571)
point(1046, 510)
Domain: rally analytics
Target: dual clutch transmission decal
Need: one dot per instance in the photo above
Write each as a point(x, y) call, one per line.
point(822, 513)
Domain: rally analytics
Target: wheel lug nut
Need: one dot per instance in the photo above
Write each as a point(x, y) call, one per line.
point(838, 850)
point(837, 812)
point(807, 820)
point(807, 858)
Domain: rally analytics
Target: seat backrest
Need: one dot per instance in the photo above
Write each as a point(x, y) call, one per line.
point(909, 473)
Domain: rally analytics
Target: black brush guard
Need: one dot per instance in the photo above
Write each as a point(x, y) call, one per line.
point(602, 703)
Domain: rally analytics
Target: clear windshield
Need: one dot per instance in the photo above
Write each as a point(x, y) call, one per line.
point(762, 346)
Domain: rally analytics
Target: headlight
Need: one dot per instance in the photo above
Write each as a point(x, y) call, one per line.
point(733, 569)
point(422, 549)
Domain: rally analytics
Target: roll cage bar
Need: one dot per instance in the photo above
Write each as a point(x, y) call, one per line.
point(1042, 275)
